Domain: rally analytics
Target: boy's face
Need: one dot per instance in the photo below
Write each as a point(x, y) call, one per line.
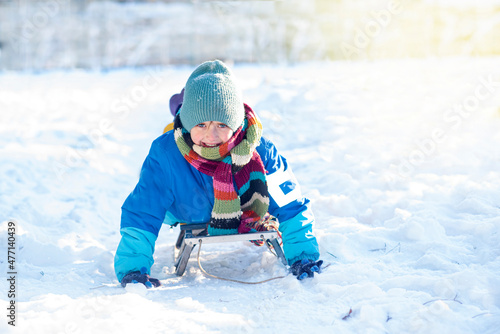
point(211, 134)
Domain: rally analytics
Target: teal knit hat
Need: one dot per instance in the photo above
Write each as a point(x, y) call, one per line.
point(211, 94)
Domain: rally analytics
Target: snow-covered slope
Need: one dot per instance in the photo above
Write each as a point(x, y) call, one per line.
point(400, 158)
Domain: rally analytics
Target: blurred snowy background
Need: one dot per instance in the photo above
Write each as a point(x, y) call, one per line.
point(103, 34)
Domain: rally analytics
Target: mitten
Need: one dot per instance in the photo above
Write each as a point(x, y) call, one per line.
point(140, 277)
point(306, 268)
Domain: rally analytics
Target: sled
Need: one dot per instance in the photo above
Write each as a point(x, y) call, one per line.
point(191, 235)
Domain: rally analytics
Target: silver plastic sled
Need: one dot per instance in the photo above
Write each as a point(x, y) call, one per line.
point(192, 234)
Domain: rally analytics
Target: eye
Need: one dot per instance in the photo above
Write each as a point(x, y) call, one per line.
point(201, 125)
point(222, 125)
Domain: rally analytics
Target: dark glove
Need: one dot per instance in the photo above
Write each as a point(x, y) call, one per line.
point(141, 277)
point(306, 268)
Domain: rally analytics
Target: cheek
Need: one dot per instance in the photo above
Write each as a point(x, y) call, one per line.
point(196, 136)
point(225, 134)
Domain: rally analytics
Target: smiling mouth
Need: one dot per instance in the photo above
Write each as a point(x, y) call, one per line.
point(209, 145)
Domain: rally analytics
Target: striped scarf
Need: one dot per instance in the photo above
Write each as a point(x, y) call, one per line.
point(233, 210)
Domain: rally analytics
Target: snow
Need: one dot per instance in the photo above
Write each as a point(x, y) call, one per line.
point(400, 159)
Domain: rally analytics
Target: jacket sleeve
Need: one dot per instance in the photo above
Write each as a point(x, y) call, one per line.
point(143, 213)
point(290, 207)
point(134, 252)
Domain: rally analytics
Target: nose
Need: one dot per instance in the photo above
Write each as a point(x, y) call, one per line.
point(211, 133)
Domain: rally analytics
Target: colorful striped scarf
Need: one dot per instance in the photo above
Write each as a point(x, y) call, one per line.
point(233, 209)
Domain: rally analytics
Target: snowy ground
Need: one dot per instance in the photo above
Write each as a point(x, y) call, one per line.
point(400, 158)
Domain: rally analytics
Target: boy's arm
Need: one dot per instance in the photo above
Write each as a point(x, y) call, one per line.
point(142, 215)
point(134, 252)
point(290, 207)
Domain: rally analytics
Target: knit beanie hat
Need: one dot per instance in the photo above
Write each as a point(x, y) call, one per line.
point(211, 94)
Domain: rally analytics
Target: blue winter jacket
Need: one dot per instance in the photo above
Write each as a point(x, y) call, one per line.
point(171, 191)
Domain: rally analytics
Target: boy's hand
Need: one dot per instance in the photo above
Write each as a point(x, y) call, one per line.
point(306, 268)
point(140, 277)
